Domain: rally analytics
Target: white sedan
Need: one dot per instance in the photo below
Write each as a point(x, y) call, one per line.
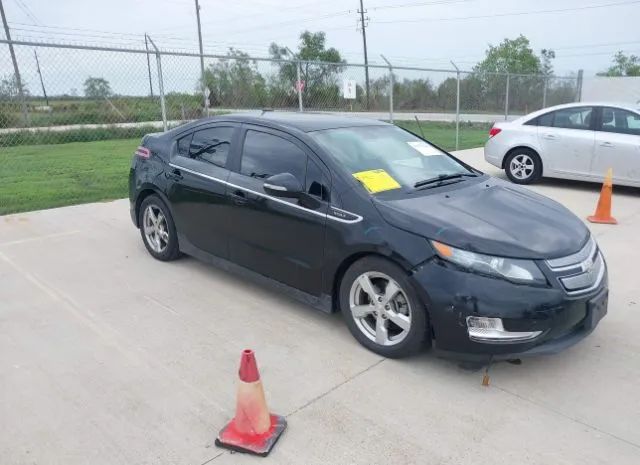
point(573, 141)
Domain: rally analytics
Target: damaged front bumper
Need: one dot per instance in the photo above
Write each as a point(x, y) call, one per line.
point(533, 320)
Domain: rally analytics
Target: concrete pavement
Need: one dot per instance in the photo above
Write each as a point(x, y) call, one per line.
point(110, 357)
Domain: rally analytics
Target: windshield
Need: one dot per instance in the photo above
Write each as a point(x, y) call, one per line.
point(386, 157)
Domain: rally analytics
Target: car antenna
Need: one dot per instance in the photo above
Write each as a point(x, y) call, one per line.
point(419, 125)
point(264, 110)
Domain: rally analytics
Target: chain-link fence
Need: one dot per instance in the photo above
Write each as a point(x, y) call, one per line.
point(79, 93)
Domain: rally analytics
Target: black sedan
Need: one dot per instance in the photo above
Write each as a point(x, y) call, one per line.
point(414, 247)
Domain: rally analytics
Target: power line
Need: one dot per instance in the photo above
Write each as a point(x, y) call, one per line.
point(27, 11)
point(72, 34)
point(500, 15)
point(417, 4)
point(244, 17)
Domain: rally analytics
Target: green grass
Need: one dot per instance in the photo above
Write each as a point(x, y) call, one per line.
point(444, 134)
point(35, 177)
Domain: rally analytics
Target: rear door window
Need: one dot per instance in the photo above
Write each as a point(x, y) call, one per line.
point(211, 145)
point(620, 121)
point(546, 119)
point(573, 118)
point(183, 145)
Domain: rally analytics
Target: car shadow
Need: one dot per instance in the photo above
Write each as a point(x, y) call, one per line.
point(585, 186)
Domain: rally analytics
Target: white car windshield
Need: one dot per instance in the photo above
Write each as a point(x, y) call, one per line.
point(399, 155)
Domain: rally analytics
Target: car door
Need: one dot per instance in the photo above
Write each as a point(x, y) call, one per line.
point(567, 141)
point(618, 145)
point(197, 192)
point(281, 238)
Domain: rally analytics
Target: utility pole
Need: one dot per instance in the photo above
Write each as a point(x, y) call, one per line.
point(146, 46)
point(16, 71)
point(44, 91)
point(364, 43)
point(202, 84)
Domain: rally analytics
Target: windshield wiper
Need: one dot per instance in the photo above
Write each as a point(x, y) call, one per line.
point(443, 177)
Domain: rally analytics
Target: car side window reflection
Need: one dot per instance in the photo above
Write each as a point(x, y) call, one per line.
point(264, 155)
point(183, 145)
point(573, 118)
point(546, 119)
point(211, 145)
point(620, 121)
point(317, 184)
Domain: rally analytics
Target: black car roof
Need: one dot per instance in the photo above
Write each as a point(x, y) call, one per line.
point(305, 122)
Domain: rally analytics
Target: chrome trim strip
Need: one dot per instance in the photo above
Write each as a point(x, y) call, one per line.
point(275, 199)
point(275, 188)
point(498, 334)
point(598, 281)
point(567, 263)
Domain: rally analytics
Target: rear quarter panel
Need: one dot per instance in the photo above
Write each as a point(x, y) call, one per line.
point(511, 136)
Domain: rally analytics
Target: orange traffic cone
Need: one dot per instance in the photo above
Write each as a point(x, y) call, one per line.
point(603, 209)
point(253, 429)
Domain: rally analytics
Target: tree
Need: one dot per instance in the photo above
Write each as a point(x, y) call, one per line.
point(623, 65)
point(321, 80)
point(511, 56)
point(546, 57)
point(9, 88)
point(234, 81)
point(516, 57)
point(97, 88)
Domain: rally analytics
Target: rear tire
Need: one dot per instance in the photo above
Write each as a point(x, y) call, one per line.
point(157, 229)
point(523, 166)
point(393, 323)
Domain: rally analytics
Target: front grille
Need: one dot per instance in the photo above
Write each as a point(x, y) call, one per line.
point(580, 272)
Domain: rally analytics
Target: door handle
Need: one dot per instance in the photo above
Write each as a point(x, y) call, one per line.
point(606, 144)
point(239, 197)
point(175, 174)
point(549, 136)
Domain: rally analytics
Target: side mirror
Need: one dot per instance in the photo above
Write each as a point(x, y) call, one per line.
point(283, 185)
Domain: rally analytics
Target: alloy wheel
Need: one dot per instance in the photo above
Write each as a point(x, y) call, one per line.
point(522, 166)
point(156, 231)
point(380, 308)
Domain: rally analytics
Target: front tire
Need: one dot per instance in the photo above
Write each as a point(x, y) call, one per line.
point(523, 166)
point(157, 229)
point(381, 308)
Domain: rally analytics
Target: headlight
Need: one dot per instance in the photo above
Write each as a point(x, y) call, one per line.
point(522, 271)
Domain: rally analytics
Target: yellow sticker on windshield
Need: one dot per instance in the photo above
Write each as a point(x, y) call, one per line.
point(377, 180)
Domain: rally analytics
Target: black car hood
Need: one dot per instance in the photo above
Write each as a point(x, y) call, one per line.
point(490, 217)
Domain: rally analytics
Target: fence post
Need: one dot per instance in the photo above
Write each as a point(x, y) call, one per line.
point(298, 81)
point(544, 92)
point(506, 99)
point(160, 86)
point(391, 85)
point(16, 70)
point(457, 105)
point(299, 86)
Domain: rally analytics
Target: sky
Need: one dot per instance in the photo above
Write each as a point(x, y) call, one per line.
point(427, 33)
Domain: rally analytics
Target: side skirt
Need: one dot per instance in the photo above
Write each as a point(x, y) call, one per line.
point(322, 303)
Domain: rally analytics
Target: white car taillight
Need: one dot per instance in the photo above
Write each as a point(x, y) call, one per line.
point(494, 131)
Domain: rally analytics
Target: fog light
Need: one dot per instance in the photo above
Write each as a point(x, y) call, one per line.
point(484, 329)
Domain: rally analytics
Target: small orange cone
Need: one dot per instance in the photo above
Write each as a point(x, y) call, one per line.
point(603, 209)
point(253, 429)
